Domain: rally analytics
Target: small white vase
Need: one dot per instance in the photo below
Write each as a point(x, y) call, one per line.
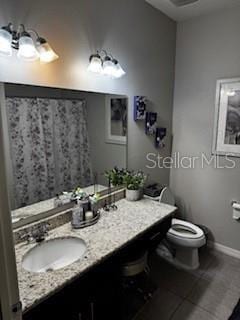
point(134, 195)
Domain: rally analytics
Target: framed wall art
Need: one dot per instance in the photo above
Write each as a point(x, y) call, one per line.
point(116, 119)
point(227, 118)
point(140, 107)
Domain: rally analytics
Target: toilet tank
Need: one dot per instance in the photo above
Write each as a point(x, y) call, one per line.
point(167, 197)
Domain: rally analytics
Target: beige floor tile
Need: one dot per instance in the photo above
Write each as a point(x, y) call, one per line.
point(189, 311)
point(168, 277)
point(215, 298)
point(225, 270)
point(160, 307)
point(206, 256)
point(212, 291)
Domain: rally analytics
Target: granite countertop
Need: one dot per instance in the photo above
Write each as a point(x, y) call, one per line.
point(114, 230)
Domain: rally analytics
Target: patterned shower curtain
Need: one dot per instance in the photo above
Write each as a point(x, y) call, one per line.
point(49, 147)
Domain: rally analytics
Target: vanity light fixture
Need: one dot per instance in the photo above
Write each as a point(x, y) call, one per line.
point(118, 70)
point(28, 48)
point(46, 53)
point(231, 93)
point(6, 41)
point(95, 64)
point(106, 64)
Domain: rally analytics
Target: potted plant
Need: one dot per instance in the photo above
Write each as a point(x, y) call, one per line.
point(115, 176)
point(134, 182)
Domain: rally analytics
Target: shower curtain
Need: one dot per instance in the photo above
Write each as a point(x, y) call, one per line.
point(49, 147)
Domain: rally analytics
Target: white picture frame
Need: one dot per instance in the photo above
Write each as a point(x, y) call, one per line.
point(120, 104)
point(226, 137)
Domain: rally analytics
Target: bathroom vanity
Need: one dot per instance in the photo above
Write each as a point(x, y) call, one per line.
point(116, 231)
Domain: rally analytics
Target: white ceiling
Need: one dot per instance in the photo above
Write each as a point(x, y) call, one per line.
point(193, 10)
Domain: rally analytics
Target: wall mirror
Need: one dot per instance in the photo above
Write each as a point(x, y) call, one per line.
point(56, 142)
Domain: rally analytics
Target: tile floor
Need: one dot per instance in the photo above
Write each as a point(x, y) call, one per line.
point(209, 293)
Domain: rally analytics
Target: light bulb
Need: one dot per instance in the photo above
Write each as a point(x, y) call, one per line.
point(108, 66)
point(27, 50)
point(231, 93)
point(95, 64)
point(46, 53)
point(5, 42)
point(118, 71)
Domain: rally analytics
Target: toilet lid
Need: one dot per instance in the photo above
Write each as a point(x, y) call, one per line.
point(186, 230)
point(167, 197)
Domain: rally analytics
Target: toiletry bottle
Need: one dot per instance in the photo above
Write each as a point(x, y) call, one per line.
point(77, 215)
point(85, 204)
point(57, 201)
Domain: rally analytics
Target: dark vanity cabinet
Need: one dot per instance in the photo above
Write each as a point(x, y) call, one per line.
point(101, 293)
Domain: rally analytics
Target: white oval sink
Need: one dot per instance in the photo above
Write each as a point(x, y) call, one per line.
point(54, 254)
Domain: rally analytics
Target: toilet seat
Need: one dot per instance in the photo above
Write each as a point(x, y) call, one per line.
point(186, 234)
point(184, 229)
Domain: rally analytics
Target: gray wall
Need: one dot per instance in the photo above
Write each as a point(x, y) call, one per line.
point(104, 155)
point(208, 48)
point(142, 38)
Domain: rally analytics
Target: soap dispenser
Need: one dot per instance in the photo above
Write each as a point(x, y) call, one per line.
point(57, 201)
point(77, 215)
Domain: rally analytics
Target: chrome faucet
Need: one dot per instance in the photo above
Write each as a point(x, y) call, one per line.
point(37, 234)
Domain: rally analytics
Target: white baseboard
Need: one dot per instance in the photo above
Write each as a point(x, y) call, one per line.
point(227, 250)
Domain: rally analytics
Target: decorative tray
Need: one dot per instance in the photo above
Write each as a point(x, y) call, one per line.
point(89, 222)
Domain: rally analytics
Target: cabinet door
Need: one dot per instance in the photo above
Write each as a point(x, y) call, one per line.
point(9, 293)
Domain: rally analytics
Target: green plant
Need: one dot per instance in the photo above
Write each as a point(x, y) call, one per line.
point(115, 176)
point(78, 193)
point(134, 180)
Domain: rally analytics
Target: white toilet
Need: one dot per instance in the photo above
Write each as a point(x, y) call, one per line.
point(182, 241)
